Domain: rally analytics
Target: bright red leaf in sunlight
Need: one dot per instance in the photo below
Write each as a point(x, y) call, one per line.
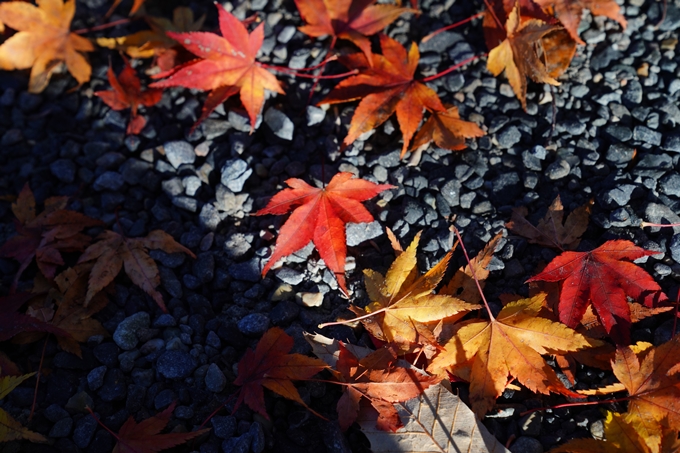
point(606, 277)
point(347, 19)
point(226, 66)
point(320, 216)
point(127, 93)
point(385, 85)
point(270, 366)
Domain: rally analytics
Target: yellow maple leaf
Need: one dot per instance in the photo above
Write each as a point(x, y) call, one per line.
point(43, 41)
point(10, 429)
point(509, 345)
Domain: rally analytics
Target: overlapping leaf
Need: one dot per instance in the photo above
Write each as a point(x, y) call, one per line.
point(10, 429)
point(402, 301)
point(226, 66)
point(320, 216)
point(113, 252)
point(446, 130)
point(43, 41)
point(13, 323)
point(509, 345)
point(271, 366)
point(569, 12)
point(606, 278)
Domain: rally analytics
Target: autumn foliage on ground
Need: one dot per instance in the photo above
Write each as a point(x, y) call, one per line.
point(429, 327)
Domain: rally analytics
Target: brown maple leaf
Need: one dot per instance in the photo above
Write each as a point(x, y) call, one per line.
point(43, 41)
point(13, 323)
point(446, 130)
point(348, 19)
point(271, 366)
point(510, 344)
point(604, 277)
point(127, 93)
point(569, 12)
point(113, 252)
point(46, 235)
point(226, 66)
point(385, 84)
point(552, 230)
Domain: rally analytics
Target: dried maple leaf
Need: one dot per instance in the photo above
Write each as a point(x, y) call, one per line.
point(145, 437)
point(347, 19)
point(518, 55)
point(605, 277)
point(624, 434)
point(402, 301)
point(638, 312)
point(226, 66)
point(270, 365)
point(509, 345)
point(155, 42)
point(46, 235)
point(320, 216)
point(113, 251)
point(385, 85)
point(446, 130)
point(13, 323)
point(569, 12)
point(552, 230)
point(43, 41)
point(10, 429)
point(127, 93)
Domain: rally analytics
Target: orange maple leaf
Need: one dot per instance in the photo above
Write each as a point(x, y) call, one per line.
point(113, 251)
point(46, 235)
point(226, 66)
point(446, 130)
point(569, 12)
point(43, 41)
point(349, 19)
point(270, 365)
point(603, 277)
point(320, 216)
point(385, 85)
point(127, 93)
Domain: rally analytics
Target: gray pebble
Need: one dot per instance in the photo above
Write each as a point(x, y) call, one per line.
point(85, 429)
point(95, 378)
point(109, 180)
point(125, 335)
point(279, 123)
point(64, 170)
point(224, 427)
point(215, 381)
point(524, 444)
point(235, 172)
point(179, 152)
point(62, 428)
point(359, 232)
point(176, 364)
point(254, 324)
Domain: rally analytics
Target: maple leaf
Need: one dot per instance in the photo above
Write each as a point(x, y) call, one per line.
point(509, 345)
point(624, 434)
point(43, 41)
point(569, 12)
point(385, 85)
point(402, 301)
point(602, 277)
point(552, 230)
point(226, 66)
point(127, 93)
point(348, 19)
point(270, 365)
point(155, 42)
point(320, 216)
point(113, 252)
point(10, 429)
point(145, 437)
point(517, 54)
point(13, 323)
point(446, 130)
point(46, 235)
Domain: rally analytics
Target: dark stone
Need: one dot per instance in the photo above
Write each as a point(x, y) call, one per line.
point(176, 364)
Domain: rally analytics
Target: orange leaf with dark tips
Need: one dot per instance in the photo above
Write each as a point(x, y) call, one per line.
point(226, 66)
point(127, 93)
point(320, 216)
point(606, 277)
point(446, 130)
point(270, 365)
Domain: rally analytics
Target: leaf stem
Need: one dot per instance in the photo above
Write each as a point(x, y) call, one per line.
point(307, 76)
point(219, 408)
point(452, 26)
point(474, 275)
point(452, 68)
point(347, 321)
point(585, 403)
point(37, 378)
point(81, 31)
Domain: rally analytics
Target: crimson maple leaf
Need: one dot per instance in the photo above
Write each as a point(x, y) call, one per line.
point(320, 216)
point(605, 277)
point(385, 85)
point(352, 20)
point(270, 366)
point(127, 93)
point(226, 66)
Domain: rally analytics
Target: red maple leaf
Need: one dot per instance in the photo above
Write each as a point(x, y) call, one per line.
point(385, 85)
point(13, 323)
point(352, 20)
point(320, 216)
point(226, 66)
point(270, 366)
point(605, 277)
point(127, 93)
